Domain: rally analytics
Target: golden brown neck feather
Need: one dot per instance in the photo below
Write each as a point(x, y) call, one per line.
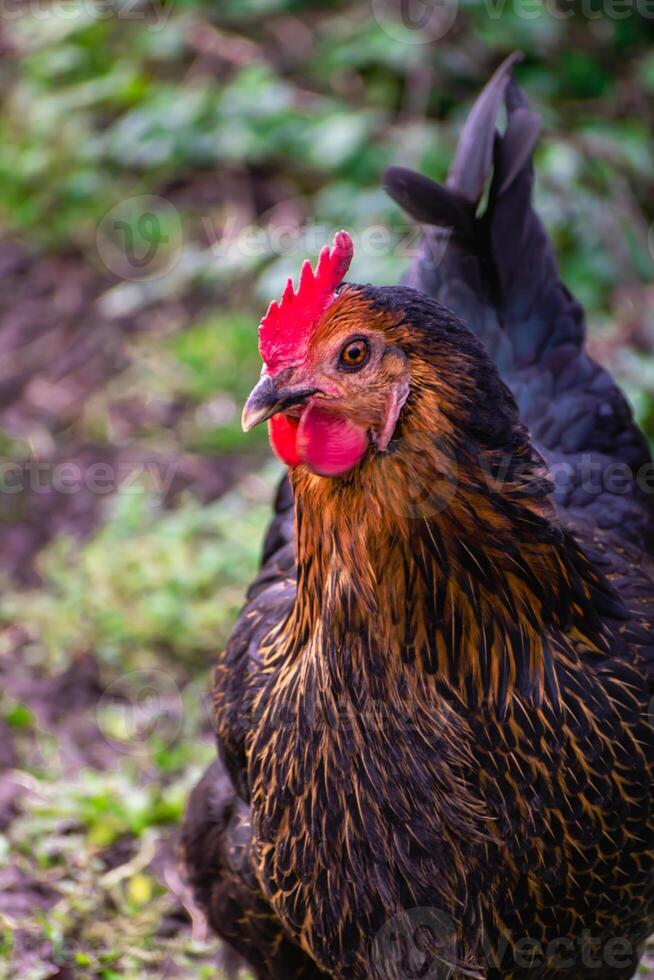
point(433, 555)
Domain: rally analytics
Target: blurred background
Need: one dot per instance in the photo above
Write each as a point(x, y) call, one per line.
point(164, 164)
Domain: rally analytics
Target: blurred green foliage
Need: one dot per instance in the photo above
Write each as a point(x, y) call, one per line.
point(217, 354)
point(308, 102)
point(153, 594)
point(150, 585)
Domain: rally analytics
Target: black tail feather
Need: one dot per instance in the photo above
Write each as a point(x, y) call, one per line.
point(430, 203)
point(496, 269)
point(474, 154)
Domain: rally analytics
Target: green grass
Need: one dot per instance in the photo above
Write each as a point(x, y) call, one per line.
point(150, 580)
point(219, 354)
point(153, 594)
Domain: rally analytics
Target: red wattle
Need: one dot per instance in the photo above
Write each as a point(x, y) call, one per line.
point(329, 444)
point(282, 433)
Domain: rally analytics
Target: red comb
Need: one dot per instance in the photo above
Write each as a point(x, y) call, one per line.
point(285, 330)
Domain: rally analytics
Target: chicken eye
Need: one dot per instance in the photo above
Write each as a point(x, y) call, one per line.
point(354, 354)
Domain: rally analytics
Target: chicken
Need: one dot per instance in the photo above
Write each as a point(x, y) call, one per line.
point(434, 715)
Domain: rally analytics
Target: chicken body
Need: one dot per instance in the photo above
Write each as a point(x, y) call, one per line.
point(434, 716)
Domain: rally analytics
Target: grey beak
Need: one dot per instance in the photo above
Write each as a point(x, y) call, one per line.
point(266, 400)
point(263, 401)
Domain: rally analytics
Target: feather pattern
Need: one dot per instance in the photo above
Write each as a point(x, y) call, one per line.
point(437, 698)
point(500, 276)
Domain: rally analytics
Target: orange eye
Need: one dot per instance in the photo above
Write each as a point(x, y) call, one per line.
point(354, 354)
